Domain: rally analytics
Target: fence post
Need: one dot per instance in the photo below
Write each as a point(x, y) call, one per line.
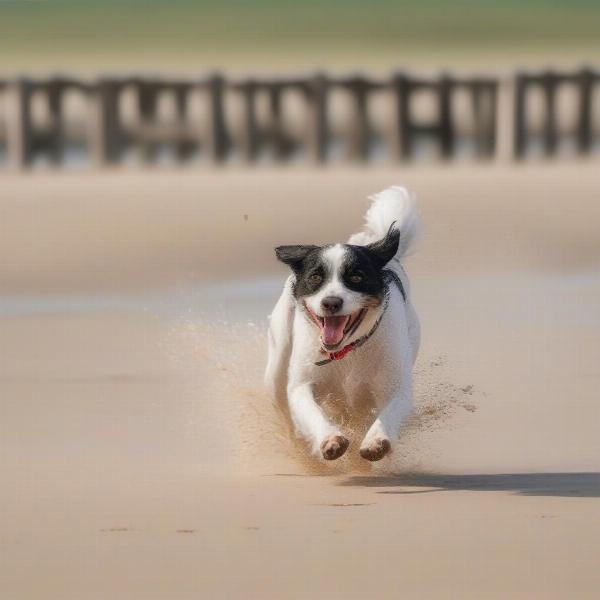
point(549, 83)
point(359, 136)
point(54, 94)
point(403, 145)
point(182, 146)
point(492, 120)
point(276, 126)
point(520, 118)
point(104, 121)
point(584, 126)
point(445, 115)
point(317, 126)
point(19, 126)
point(218, 134)
point(147, 101)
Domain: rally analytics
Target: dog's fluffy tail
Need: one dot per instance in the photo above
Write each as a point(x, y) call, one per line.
point(394, 205)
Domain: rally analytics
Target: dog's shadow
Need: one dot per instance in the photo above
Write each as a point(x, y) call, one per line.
point(576, 485)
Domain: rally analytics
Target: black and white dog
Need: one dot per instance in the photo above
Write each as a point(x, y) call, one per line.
point(345, 327)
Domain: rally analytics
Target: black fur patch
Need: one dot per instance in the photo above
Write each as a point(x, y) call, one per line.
point(367, 262)
point(305, 262)
point(359, 262)
point(384, 250)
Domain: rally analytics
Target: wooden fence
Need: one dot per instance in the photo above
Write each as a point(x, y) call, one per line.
point(223, 120)
point(549, 83)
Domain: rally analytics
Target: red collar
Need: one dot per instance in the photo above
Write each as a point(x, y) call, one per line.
point(339, 354)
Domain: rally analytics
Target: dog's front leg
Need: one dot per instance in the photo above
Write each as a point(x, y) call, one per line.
point(378, 441)
point(312, 424)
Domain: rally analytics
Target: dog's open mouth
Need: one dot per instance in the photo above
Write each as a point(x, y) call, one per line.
point(334, 329)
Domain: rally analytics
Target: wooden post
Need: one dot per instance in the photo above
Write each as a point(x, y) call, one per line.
point(182, 145)
point(404, 89)
point(147, 97)
point(584, 126)
point(104, 121)
point(520, 118)
point(218, 133)
point(492, 121)
point(549, 84)
point(397, 99)
point(276, 126)
point(54, 94)
point(317, 126)
point(147, 101)
point(445, 115)
point(478, 101)
point(360, 131)
point(19, 126)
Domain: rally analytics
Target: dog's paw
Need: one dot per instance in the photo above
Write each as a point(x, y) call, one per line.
point(334, 446)
point(376, 450)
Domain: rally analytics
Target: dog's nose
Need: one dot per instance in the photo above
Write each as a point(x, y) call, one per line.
point(332, 304)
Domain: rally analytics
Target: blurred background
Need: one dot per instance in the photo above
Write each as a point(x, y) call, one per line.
point(153, 153)
point(86, 83)
point(183, 36)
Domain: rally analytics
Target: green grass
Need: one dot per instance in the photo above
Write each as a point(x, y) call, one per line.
point(303, 32)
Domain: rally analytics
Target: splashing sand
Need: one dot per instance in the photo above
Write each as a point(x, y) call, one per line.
point(236, 426)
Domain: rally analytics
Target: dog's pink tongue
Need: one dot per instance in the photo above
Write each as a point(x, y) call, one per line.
point(333, 329)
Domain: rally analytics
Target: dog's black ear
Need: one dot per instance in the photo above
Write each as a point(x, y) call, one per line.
point(382, 251)
point(294, 255)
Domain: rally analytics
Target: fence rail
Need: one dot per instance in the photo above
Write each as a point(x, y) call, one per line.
point(318, 117)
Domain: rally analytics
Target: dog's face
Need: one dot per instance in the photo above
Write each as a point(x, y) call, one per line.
point(339, 284)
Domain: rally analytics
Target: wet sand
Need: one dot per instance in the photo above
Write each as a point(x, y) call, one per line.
point(128, 472)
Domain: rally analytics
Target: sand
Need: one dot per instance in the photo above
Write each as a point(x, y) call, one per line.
point(139, 457)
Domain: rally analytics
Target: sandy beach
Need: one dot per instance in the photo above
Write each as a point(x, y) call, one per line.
point(139, 454)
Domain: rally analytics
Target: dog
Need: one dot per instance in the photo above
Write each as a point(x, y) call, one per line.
point(345, 327)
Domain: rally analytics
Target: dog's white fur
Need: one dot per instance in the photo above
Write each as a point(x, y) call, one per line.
point(379, 372)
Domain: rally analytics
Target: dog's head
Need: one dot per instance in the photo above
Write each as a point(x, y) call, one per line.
point(339, 284)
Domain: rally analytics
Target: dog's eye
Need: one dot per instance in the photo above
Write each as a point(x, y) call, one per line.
point(315, 279)
point(356, 278)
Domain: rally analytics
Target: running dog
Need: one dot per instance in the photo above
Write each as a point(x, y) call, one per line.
point(345, 327)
